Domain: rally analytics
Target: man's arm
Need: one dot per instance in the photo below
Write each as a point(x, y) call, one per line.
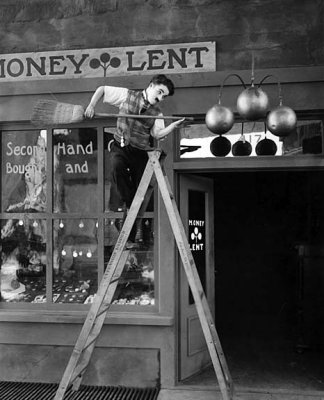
point(111, 94)
point(160, 133)
point(90, 110)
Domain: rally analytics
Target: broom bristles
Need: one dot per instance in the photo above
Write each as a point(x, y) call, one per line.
point(51, 112)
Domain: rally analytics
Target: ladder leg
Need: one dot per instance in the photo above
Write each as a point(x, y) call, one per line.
point(204, 313)
point(91, 329)
point(77, 375)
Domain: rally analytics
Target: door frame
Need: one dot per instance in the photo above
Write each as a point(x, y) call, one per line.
point(193, 353)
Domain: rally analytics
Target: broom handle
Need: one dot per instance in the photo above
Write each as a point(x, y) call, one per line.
point(99, 115)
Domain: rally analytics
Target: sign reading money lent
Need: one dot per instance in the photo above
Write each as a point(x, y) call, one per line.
point(104, 62)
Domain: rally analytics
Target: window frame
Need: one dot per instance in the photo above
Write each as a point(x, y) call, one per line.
point(209, 164)
point(54, 312)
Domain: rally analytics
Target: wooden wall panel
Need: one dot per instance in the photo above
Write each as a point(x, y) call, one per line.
point(108, 366)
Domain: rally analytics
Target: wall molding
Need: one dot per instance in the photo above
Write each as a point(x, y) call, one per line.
point(190, 80)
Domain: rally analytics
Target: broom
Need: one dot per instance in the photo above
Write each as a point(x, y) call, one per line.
point(51, 112)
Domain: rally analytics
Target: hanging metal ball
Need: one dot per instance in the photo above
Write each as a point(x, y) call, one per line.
point(220, 146)
point(219, 119)
point(282, 121)
point(242, 148)
point(252, 103)
point(266, 147)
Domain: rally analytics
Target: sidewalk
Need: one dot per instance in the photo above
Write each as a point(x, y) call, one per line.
point(208, 394)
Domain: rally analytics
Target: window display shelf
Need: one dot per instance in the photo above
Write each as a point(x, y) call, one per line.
point(122, 316)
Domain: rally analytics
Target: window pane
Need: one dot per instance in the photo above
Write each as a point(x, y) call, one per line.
point(23, 260)
point(196, 141)
point(197, 233)
point(75, 170)
point(24, 171)
point(75, 264)
point(136, 285)
point(306, 139)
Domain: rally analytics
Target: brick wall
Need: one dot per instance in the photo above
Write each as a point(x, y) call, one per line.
point(283, 33)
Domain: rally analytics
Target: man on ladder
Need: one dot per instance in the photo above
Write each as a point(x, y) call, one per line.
point(134, 136)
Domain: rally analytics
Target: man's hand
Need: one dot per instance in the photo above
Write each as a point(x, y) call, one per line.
point(89, 112)
point(175, 124)
point(162, 133)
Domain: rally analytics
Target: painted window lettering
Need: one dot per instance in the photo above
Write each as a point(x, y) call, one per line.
point(196, 237)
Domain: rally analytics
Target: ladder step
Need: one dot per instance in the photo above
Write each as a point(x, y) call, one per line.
point(78, 372)
point(90, 342)
point(104, 310)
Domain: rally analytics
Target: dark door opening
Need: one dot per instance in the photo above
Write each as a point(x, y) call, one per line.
point(269, 277)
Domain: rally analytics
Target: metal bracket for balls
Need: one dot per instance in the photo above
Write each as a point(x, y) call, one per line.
point(252, 105)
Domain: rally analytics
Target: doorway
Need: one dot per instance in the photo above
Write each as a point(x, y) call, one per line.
point(269, 278)
point(197, 213)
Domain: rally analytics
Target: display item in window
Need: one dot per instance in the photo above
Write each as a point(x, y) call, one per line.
point(23, 263)
point(136, 284)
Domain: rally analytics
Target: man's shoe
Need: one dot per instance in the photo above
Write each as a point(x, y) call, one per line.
point(131, 245)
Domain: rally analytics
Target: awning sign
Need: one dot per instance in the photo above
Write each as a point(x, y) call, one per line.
point(109, 62)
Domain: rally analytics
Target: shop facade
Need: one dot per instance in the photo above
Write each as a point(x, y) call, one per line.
point(60, 214)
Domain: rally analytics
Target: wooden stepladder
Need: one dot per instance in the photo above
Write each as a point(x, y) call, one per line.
point(85, 344)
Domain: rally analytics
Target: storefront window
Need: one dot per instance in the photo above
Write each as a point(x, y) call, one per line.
point(60, 218)
point(251, 139)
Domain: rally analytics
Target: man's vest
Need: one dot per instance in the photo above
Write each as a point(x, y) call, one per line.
point(135, 132)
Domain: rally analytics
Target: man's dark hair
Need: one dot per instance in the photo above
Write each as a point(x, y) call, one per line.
point(163, 80)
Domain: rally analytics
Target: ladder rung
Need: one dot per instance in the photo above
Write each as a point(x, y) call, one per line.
point(105, 307)
point(93, 337)
point(78, 374)
point(104, 310)
point(89, 343)
point(115, 280)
